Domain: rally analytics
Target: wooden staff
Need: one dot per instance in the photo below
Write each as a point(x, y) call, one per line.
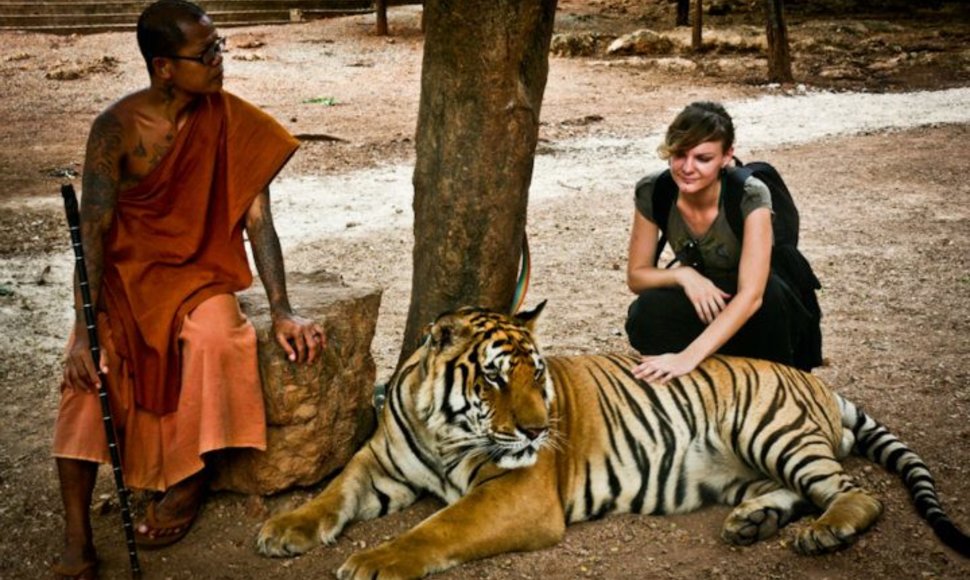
point(74, 223)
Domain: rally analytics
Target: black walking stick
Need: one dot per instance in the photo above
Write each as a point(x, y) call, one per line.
point(74, 222)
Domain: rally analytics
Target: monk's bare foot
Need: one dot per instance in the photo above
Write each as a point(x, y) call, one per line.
point(170, 518)
point(78, 560)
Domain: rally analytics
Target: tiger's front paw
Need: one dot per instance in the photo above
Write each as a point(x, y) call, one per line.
point(288, 534)
point(384, 562)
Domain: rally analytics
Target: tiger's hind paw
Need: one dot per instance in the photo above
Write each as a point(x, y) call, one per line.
point(847, 516)
point(822, 539)
point(744, 527)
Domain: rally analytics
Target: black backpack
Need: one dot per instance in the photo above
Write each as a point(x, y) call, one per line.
point(786, 260)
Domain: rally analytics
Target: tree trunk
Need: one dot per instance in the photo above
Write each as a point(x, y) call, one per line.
point(482, 79)
point(683, 12)
point(380, 7)
point(695, 40)
point(779, 57)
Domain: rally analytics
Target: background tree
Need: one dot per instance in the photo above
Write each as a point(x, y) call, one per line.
point(482, 80)
point(695, 38)
point(683, 13)
point(779, 57)
point(380, 9)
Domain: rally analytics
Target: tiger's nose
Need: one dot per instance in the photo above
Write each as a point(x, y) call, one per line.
point(532, 433)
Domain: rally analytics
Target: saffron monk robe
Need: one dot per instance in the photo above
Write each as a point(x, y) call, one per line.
point(173, 174)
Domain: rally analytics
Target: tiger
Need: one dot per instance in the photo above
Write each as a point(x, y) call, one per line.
point(519, 445)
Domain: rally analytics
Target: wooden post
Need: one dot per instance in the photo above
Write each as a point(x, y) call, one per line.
point(695, 41)
point(380, 7)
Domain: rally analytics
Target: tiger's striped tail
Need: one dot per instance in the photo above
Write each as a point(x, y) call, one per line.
point(874, 441)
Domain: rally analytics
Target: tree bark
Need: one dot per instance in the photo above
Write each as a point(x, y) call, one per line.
point(683, 13)
point(482, 80)
point(779, 57)
point(380, 8)
point(696, 39)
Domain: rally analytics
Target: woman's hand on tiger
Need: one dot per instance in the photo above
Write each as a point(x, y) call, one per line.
point(664, 367)
point(707, 298)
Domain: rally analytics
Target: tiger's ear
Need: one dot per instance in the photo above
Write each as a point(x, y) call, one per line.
point(445, 331)
point(528, 318)
point(440, 335)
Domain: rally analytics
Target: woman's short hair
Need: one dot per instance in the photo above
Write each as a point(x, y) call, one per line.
point(158, 31)
point(699, 122)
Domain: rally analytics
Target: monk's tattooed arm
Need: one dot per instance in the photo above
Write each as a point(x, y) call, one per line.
point(300, 338)
point(99, 184)
point(267, 254)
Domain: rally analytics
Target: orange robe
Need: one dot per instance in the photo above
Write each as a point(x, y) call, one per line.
point(177, 242)
point(177, 235)
point(221, 403)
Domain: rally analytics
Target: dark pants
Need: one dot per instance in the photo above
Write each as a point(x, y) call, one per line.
point(663, 320)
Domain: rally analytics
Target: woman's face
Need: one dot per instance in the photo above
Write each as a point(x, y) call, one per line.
point(699, 168)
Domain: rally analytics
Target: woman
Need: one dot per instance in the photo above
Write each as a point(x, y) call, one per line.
point(721, 296)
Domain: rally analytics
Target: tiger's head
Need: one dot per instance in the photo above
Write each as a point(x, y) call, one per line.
point(485, 390)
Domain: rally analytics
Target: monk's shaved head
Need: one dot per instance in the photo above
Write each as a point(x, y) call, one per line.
point(159, 30)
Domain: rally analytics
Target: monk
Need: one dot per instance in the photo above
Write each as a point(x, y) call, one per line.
point(174, 174)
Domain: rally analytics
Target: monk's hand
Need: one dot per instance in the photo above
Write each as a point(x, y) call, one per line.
point(664, 367)
point(302, 339)
point(79, 370)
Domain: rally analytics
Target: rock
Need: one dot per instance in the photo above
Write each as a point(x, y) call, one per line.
point(886, 64)
point(318, 415)
point(70, 72)
point(840, 72)
point(855, 28)
point(675, 64)
point(575, 43)
point(641, 41)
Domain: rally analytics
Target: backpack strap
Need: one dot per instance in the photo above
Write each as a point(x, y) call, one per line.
point(732, 188)
point(785, 220)
point(662, 198)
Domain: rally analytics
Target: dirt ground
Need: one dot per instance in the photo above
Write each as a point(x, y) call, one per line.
point(884, 220)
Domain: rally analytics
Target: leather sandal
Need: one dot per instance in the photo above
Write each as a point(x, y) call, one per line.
point(160, 533)
point(83, 571)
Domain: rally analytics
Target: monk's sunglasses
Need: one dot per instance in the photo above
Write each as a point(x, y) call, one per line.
point(209, 56)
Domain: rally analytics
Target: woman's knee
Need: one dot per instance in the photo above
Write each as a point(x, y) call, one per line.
point(646, 311)
point(661, 320)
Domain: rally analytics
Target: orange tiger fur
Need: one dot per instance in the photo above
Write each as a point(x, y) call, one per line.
point(519, 446)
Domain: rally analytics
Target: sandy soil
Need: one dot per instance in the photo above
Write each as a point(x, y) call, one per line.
point(878, 172)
